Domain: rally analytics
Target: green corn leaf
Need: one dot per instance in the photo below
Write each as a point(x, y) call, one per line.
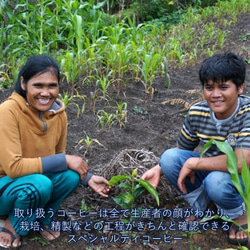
point(232, 163)
point(206, 147)
point(118, 178)
point(150, 189)
point(245, 177)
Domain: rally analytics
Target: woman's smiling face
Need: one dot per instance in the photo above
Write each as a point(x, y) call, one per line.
point(41, 90)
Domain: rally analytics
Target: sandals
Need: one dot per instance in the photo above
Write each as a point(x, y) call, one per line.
point(242, 242)
point(14, 236)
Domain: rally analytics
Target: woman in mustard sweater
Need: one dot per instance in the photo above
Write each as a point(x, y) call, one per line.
point(35, 172)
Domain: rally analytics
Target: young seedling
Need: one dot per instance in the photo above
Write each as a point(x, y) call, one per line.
point(106, 119)
point(122, 113)
point(88, 141)
point(135, 187)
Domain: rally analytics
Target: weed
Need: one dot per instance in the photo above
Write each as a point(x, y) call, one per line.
point(40, 240)
point(189, 234)
point(138, 110)
point(85, 207)
point(244, 37)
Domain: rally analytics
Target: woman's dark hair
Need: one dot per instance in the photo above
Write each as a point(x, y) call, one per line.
point(222, 68)
point(37, 64)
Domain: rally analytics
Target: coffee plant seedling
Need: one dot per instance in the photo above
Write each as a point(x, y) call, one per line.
point(135, 187)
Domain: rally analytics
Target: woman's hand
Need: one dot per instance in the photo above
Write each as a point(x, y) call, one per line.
point(77, 164)
point(99, 184)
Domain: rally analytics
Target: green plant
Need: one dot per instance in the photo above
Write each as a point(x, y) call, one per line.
point(106, 120)
point(88, 141)
point(189, 234)
point(122, 113)
point(4, 80)
point(40, 240)
point(244, 37)
point(69, 66)
point(232, 163)
point(69, 100)
point(221, 35)
point(134, 187)
point(85, 207)
point(104, 83)
point(150, 66)
point(138, 110)
point(210, 29)
point(117, 58)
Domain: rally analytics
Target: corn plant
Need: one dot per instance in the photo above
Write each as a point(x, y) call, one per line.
point(176, 51)
point(69, 100)
point(135, 187)
point(116, 34)
point(77, 27)
point(66, 98)
point(4, 80)
point(88, 142)
point(105, 119)
point(210, 29)
point(232, 163)
point(92, 98)
point(150, 64)
point(221, 36)
point(69, 66)
point(122, 113)
point(117, 58)
point(103, 83)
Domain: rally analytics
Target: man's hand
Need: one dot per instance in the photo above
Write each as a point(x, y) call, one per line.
point(99, 184)
point(187, 170)
point(77, 164)
point(153, 175)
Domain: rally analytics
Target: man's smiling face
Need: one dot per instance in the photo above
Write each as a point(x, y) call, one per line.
point(222, 97)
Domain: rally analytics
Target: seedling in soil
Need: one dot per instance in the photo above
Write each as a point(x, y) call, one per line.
point(135, 187)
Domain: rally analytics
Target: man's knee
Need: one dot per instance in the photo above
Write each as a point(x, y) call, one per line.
point(216, 183)
point(168, 157)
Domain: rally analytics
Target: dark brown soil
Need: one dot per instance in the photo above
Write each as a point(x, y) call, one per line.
point(154, 129)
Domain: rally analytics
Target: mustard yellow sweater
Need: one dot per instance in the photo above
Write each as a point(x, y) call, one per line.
point(27, 136)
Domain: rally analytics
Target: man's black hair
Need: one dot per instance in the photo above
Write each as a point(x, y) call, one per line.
point(223, 67)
